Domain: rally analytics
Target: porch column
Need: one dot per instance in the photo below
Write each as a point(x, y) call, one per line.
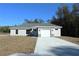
point(32, 30)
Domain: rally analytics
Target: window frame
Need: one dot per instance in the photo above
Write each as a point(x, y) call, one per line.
point(16, 31)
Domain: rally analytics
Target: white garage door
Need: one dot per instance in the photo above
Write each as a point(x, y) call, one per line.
point(45, 33)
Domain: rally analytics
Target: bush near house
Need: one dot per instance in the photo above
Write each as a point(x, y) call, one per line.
point(4, 29)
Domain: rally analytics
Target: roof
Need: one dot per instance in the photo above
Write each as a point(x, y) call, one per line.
point(33, 25)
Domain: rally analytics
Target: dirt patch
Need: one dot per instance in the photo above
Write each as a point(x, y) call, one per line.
point(71, 39)
point(13, 44)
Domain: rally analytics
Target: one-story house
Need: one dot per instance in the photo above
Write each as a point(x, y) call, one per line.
point(36, 29)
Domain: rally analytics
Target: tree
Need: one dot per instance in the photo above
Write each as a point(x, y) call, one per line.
point(67, 19)
point(75, 13)
point(34, 21)
point(28, 21)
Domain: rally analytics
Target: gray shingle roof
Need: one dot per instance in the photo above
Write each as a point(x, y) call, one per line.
point(30, 25)
point(36, 24)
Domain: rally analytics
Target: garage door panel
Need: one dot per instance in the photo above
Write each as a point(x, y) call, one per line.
point(45, 33)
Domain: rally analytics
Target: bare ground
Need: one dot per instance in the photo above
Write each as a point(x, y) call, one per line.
point(13, 44)
point(71, 39)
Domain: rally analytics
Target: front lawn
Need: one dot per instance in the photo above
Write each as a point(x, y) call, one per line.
point(13, 44)
point(71, 39)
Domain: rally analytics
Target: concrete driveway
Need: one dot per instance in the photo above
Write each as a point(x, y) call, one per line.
point(55, 47)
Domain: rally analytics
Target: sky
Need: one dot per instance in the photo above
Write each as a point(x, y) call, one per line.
point(13, 14)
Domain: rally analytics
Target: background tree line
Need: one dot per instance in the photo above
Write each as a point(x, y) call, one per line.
point(68, 18)
point(34, 21)
point(4, 29)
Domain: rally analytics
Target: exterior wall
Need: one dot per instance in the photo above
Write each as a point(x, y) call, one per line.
point(20, 33)
point(55, 32)
point(13, 32)
point(43, 32)
point(39, 33)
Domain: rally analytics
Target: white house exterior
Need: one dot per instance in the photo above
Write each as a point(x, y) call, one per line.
point(49, 32)
point(20, 32)
point(41, 30)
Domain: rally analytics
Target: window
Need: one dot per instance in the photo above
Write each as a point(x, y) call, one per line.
point(56, 29)
point(16, 31)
